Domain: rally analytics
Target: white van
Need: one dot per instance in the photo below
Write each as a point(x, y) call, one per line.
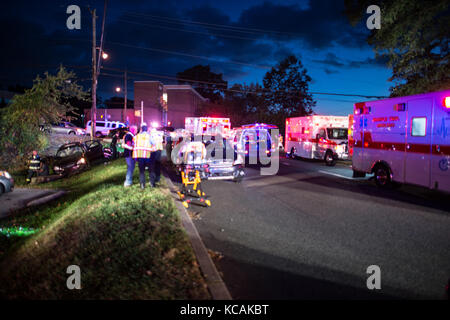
point(102, 127)
point(404, 140)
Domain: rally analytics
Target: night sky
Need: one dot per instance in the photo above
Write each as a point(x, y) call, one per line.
point(241, 39)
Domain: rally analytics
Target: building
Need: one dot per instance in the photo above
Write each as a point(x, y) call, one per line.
point(157, 103)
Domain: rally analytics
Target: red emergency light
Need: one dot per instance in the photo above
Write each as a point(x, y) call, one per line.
point(447, 102)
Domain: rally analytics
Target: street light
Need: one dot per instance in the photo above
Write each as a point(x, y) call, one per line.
point(105, 55)
point(118, 89)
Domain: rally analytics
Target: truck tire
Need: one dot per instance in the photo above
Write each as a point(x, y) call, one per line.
point(382, 176)
point(330, 160)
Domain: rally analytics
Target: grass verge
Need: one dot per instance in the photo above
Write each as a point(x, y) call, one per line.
point(128, 243)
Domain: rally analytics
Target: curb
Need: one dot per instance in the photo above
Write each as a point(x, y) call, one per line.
point(217, 287)
point(45, 199)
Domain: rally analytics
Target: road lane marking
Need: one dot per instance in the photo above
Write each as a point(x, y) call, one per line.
point(336, 175)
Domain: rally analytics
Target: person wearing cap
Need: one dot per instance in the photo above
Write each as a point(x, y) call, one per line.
point(142, 150)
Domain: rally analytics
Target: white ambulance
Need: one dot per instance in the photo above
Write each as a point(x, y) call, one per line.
point(317, 137)
point(208, 126)
point(404, 140)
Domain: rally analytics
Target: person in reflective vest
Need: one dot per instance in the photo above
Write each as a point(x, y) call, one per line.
point(34, 166)
point(128, 155)
point(155, 173)
point(142, 150)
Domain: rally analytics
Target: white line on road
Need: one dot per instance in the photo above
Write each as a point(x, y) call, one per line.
point(336, 174)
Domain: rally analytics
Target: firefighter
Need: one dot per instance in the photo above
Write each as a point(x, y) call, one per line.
point(155, 172)
point(34, 166)
point(128, 155)
point(142, 150)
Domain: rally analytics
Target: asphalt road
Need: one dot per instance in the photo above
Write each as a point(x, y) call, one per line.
point(311, 231)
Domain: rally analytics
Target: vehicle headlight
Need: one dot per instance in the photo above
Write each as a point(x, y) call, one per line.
point(56, 168)
point(81, 161)
point(5, 174)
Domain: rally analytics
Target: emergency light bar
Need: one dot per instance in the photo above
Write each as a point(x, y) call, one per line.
point(400, 107)
point(447, 102)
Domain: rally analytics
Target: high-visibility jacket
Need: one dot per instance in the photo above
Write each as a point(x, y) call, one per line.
point(35, 163)
point(157, 137)
point(143, 145)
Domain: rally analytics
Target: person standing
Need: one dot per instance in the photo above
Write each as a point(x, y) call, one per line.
point(128, 155)
point(113, 145)
point(34, 166)
point(155, 172)
point(142, 150)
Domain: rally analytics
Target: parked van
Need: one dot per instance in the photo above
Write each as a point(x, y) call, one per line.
point(102, 127)
point(317, 137)
point(404, 140)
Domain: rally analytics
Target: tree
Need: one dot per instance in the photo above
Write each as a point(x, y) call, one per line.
point(46, 102)
point(209, 84)
point(286, 91)
point(414, 36)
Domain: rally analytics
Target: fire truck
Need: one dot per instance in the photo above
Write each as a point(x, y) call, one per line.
point(404, 140)
point(208, 126)
point(317, 137)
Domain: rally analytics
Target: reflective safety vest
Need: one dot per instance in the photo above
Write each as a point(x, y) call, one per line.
point(143, 145)
point(35, 163)
point(157, 137)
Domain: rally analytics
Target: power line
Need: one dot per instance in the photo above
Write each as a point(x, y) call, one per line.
point(189, 55)
point(190, 31)
point(211, 25)
point(263, 90)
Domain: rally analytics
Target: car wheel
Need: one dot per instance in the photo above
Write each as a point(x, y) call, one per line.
point(72, 133)
point(330, 159)
point(383, 176)
point(98, 134)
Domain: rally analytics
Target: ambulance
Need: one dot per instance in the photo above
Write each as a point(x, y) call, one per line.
point(317, 137)
point(208, 126)
point(404, 140)
point(248, 139)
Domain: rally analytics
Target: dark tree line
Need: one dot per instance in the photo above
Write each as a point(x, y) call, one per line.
point(284, 93)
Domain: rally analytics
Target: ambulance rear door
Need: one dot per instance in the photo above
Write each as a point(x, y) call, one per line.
point(418, 142)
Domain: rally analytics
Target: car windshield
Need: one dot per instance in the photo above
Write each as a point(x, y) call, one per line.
point(69, 151)
point(337, 133)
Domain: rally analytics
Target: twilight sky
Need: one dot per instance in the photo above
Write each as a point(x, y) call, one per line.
point(241, 39)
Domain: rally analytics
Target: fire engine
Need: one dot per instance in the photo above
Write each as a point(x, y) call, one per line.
point(317, 137)
point(208, 126)
point(404, 140)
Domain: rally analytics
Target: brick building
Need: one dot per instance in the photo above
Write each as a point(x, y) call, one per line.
point(159, 103)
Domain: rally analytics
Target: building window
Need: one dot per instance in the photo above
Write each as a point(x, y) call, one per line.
point(419, 127)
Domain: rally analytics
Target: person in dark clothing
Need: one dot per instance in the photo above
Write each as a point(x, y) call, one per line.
point(128, 155)
point(114, 145)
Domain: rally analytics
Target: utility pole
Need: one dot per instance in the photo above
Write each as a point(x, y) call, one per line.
point(125, 98)
point(94, 76)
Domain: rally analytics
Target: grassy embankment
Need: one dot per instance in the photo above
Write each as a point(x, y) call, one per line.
point(128, 243)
